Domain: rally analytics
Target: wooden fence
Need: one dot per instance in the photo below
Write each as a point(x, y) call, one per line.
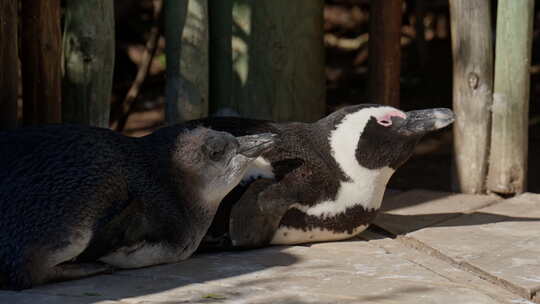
point(265, 59)
point(492, 108)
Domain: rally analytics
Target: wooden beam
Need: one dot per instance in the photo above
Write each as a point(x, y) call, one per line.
point(40, 59)
point(186, 34)
point(509, 137)
point(385, 51)
point(88, 62)
point(472, 50)
point(9, 61)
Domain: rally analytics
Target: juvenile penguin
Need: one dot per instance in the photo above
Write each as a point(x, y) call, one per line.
point(324, 181)
point(77, 201)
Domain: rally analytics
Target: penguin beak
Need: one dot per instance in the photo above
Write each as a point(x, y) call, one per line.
point(421, 122)
point(252, 146)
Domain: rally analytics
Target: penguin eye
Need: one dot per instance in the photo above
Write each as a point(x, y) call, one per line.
point(215, 148)
point(216, 155)
point(385, 122)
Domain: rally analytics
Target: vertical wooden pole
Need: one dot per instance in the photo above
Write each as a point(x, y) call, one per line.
point(420, 41)
point(385, 51)
point(472, 50)
point(221, 72)
point(508, 157)
point(9, 61)
point(175, 19)
point(40, 59)
point(186, 35)
point(278, 59)
point(88, 62)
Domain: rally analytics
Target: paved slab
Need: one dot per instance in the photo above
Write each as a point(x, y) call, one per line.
point(456, 249)
point(381, 271)
point(439, 267)
point(7, 297)
point(416, 209)
point(502, 240)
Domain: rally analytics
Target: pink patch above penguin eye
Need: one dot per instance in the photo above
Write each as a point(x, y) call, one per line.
point(386, 120)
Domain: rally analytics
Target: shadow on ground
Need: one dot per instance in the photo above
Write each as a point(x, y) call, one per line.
point(167, 280)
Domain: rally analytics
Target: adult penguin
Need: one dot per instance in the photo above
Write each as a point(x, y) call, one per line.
point(323, 181)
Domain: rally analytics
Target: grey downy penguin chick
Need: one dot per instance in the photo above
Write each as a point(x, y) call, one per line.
point(323, 181)
point(76, 200)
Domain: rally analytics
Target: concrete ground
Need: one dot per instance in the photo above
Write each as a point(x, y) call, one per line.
point(427, 247)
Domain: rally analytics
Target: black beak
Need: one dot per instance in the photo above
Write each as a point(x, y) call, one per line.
point(421, 122)
point(254, 145)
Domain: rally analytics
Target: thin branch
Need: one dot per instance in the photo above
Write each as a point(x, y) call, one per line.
point(144, 67)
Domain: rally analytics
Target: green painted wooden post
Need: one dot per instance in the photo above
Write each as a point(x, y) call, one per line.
point(472, 49)
point(88, 62)
point(221, 73)
point(186, 34)
point(278, 60)
point(9, 61)
point(508, 157)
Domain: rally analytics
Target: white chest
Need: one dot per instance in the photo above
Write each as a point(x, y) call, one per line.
point(289, 236)
point(367, 190)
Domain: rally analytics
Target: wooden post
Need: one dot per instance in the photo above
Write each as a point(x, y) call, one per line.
point(385, 51)
point(472, 50)
point(420, 41)
point(186, 34)
point(508, 158)
point(88, 62)
point(9, 61)
point(40, 60)
point(221, 73)
point(278, 60)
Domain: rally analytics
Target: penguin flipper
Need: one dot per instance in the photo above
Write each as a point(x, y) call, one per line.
point(256, 216)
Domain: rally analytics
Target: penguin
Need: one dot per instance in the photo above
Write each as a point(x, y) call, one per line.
point(323, 181)
point(77, 201)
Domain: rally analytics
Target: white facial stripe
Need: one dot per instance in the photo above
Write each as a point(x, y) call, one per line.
point(289, 236)
point(366, 186)
point(344, 139)
point(260, 168)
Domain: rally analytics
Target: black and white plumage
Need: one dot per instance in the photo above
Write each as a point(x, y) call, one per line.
point(322, 181)
point(76, 200)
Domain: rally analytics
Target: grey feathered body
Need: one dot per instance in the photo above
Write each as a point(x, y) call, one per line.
point(64, 185)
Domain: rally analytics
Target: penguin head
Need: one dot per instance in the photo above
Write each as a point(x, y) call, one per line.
point(218, 160)
point(376, 136)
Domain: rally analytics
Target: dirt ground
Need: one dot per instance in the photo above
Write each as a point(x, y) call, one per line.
point(426, 79)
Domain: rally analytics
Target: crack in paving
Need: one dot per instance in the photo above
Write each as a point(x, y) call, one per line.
point(463, 265)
